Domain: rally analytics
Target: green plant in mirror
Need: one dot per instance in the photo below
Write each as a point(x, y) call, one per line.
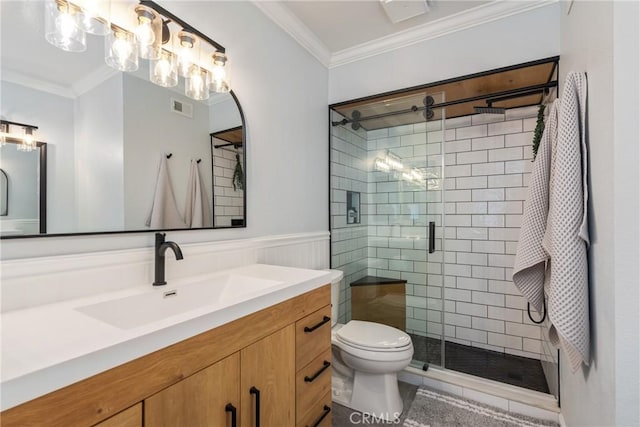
point(537, 133)
point(238, 175)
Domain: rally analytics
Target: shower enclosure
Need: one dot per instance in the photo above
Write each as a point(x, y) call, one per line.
point(427, 188)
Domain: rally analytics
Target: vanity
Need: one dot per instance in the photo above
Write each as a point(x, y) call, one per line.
point(249, 346)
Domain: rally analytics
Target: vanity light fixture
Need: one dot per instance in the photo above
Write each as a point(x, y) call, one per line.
point(67, 23)
point(62, 28)
point(4, 132)
point(95, 17)
point(28, 140)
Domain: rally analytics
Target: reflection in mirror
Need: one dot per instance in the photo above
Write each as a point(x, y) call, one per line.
point(228, 177)
point(107, 132)
point(22, 189)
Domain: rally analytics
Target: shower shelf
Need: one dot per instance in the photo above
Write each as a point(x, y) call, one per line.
point(376, 280)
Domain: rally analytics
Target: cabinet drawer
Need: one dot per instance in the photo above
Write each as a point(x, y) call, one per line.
point(313, 336)
point(312, 383)
point(319, 415)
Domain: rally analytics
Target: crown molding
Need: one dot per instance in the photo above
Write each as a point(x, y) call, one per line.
point(469, 18)
point(37, 84)
point(290, 23)
point(93, 79)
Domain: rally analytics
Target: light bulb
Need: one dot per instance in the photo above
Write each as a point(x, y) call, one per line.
point(186, 52)
point(122, 49)
point(144, 32)
point(66, 27)
point(197, 84)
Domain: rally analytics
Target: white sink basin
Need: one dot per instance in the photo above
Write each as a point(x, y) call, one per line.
point(166, 301)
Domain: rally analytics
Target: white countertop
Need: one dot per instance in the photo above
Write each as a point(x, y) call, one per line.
point(48, 347)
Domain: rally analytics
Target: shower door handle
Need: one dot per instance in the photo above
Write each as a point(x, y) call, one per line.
point(432, 237)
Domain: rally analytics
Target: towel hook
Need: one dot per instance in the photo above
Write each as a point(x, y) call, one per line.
point(169, 155)
point(198, 161)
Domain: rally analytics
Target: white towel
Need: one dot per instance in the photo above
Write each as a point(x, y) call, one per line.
point(164, 211)
point(197, 213)
point(560, 177)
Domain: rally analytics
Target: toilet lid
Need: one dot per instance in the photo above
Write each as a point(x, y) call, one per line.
point(373, 335)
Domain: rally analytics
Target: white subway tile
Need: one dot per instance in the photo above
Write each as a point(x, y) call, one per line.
point(449, 306)
point(488, 247)
point(457, 294)
point(471, 157)
point(471, 233)
point(504, 287)
point(521, 112)
point(378, 133)
point(518, 166)
point(413, 139)
point(471, 258)
point(531, 345)
point(487, 220)
point(414, 255)
point(471, 309)
point(487, 298)
point(512, 153)
point(458, 195)
point(457, 270)
point(491, 325)
point(472, 284)
point(522, 330)
point(487, 169)
point(514, 221)
point(501, 181)
point(457, 245)
point(527, 153)
point(457, 146)
point(471, 131)
point(494, 273)
point(388, 253)
point(457, 319)
point(501, 313)
point(457, 122)
point(510, 247)
point(492, 194)
point(478, 119)
point(517, 193)
point(488, 347)
point(508, 234)
point(524, 139)
point(503, 340)
point(515, 301)
point(458, 170)
point(514, 207)
point(488, 143)
point(470, 208)
point(471, 182)
point(401, 130)
point(458, 220)
point(401, 265)
point(529, 124)
point(450, 159)
point(512, 126)
point(471, 334)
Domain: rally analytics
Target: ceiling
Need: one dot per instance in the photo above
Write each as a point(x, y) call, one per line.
point(345, 24)
point(340, 32)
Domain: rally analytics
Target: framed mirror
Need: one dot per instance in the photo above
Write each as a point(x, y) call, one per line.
point(110, 132)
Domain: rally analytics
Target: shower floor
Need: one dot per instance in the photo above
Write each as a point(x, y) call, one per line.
point(506, 368)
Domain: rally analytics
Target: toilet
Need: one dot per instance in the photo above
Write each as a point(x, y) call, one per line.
point(367, 357)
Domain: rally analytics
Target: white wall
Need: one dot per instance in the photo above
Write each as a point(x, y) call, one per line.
point(23, 184)
point(520, 38)
point(99, 157)
point(223, 113)
point(607, 392)
point(283, 92)
point(53, 115)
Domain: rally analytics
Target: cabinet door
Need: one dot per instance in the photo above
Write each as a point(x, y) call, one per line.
point(268, 381)
point(198, 400)
point(131, 417)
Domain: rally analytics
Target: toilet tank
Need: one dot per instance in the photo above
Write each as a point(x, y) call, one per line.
point(336, 278)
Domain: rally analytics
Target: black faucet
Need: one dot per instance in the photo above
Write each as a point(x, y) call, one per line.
point(161, 248)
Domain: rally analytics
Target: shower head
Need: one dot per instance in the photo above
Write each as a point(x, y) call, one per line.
point(489, 109)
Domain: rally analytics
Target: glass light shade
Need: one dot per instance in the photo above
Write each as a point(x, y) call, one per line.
point(149, 32)
point(220, 80)
point(62, 29)
point(164, 70)
point(28, 140)
point(187, 48)
point(4, 130)
point(95, 17)
point(121, 50)
point(196, 85)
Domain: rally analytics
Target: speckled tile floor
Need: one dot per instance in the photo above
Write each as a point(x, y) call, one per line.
point(344, 417)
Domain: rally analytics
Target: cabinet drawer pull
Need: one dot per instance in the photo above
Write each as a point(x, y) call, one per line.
point(312, 378)
point(325, 412)
point(232, 409)
point(254, 390)
point(325, 319)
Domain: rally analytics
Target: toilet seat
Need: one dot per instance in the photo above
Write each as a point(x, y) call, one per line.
point(373, 337)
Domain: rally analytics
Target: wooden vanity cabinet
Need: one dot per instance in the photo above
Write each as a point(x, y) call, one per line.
point(265, 355)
